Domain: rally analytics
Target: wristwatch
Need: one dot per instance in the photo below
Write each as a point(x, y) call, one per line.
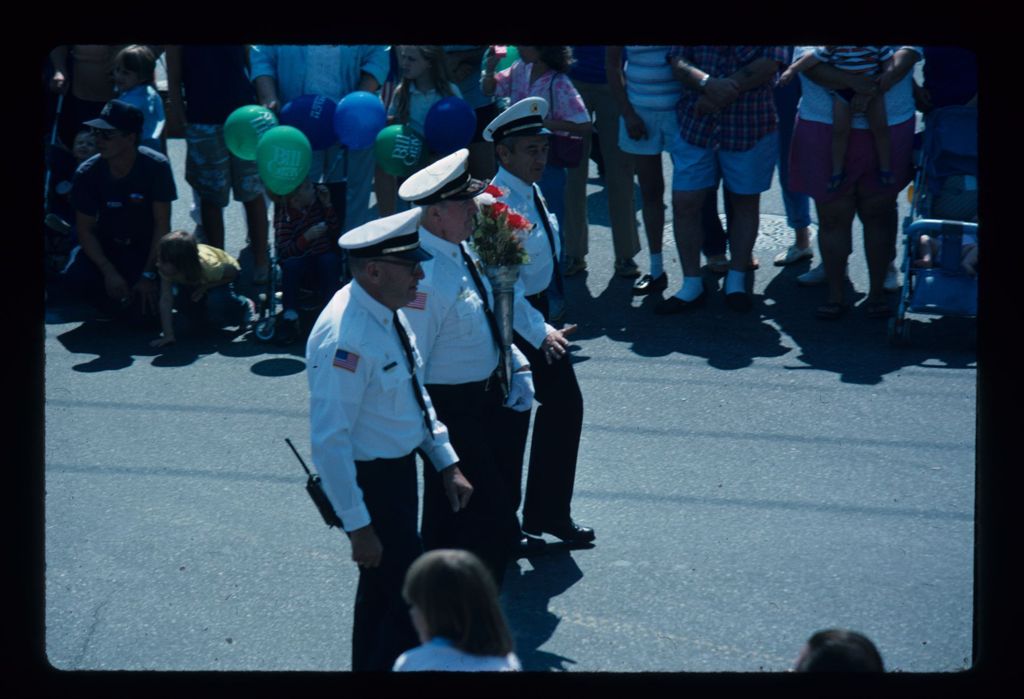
point(149, 275)
point(704, 81)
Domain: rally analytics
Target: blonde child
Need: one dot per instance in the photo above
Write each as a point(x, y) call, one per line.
point(425, 80)
point(203, 276)
point(454, 608)
point(134, 71)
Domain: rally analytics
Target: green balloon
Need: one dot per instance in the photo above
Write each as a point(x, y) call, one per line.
point(243, 128)
point(283, 156)
point(511, 57)
point(399, 150)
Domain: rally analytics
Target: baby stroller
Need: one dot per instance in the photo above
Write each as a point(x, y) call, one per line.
point(944, 206)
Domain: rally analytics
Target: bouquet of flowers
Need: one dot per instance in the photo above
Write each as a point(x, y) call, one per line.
point(499, 232)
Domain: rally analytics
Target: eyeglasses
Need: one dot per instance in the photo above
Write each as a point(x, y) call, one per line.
point(105, 134)
point(411, 265)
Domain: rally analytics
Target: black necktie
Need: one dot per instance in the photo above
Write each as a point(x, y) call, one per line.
point(492, 322)
point(404, 339)
point(539, 203)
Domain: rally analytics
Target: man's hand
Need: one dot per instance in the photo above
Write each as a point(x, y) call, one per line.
point(456, 487)
point(148, 293)
point(366, 547)
point(116, 286)
point(635, 126)
point(722, 91)
point(787, 76)
point(324, 195)
point(555, 345)
point(520, 393)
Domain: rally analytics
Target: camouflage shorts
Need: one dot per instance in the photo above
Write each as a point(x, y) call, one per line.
point(213, 171)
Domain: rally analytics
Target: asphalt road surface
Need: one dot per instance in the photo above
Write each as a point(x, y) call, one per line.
point(752, 478)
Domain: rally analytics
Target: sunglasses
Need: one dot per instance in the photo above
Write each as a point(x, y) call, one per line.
point(105, 134)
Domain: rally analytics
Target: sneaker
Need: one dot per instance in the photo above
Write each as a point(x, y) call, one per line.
point(813, 277)
point(793, 255)
point(625, 267)
point(574, 265)
point(892, 279)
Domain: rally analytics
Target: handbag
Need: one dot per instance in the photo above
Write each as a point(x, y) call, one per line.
point(564, 151)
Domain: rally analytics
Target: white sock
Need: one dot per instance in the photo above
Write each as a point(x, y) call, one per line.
point(656, 265)
point(735, 282)
point(291, 314)
point(692, 288)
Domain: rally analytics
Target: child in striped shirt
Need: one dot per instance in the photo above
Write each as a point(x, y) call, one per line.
point(306, 230)
point(871, 61)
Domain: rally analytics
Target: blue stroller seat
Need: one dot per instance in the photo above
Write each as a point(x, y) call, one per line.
point(945, 207)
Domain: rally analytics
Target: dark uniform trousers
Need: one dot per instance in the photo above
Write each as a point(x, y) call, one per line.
point(472, 413)
point(556, 437)
point(382, 629)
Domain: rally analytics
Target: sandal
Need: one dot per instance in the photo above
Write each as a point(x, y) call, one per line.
point(833, 310)
point(836, 181)
point(886, 178)
point(878, 309)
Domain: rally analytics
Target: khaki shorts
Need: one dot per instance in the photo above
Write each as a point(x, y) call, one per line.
point(214, 172)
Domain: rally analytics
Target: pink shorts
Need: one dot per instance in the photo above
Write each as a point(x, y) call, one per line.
point(810, 160)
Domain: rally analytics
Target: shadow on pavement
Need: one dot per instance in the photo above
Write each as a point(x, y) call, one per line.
point(117, 344)
point(526, 594)
point(727, 339)
point(856, 346)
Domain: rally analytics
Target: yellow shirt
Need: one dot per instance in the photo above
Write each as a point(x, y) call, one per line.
point(213, 262)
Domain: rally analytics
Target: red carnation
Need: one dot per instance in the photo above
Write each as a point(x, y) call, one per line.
point(493, 191)
point(499, 208)
point(517, 221)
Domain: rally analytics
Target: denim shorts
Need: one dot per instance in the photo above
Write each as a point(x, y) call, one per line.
point(744, 171)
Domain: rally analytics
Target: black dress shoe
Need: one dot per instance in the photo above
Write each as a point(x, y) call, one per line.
point(674, 304)
point(569, 532)
point(528, 546)
point(739, 301)
point(649, 285)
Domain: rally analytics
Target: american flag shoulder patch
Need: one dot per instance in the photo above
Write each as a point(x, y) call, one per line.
point(346, 360)
point(420, 302)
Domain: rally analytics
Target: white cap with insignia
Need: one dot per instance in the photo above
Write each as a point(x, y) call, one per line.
point(446, 179)
point(524, 118)
point(391, 236)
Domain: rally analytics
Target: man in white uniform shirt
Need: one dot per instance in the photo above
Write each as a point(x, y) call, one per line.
point(522, 150)
point(368, 415)
point(458, 337)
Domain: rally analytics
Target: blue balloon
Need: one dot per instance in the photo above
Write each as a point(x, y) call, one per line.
point(313, 115)
point(358, 119)
point(450, 125)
